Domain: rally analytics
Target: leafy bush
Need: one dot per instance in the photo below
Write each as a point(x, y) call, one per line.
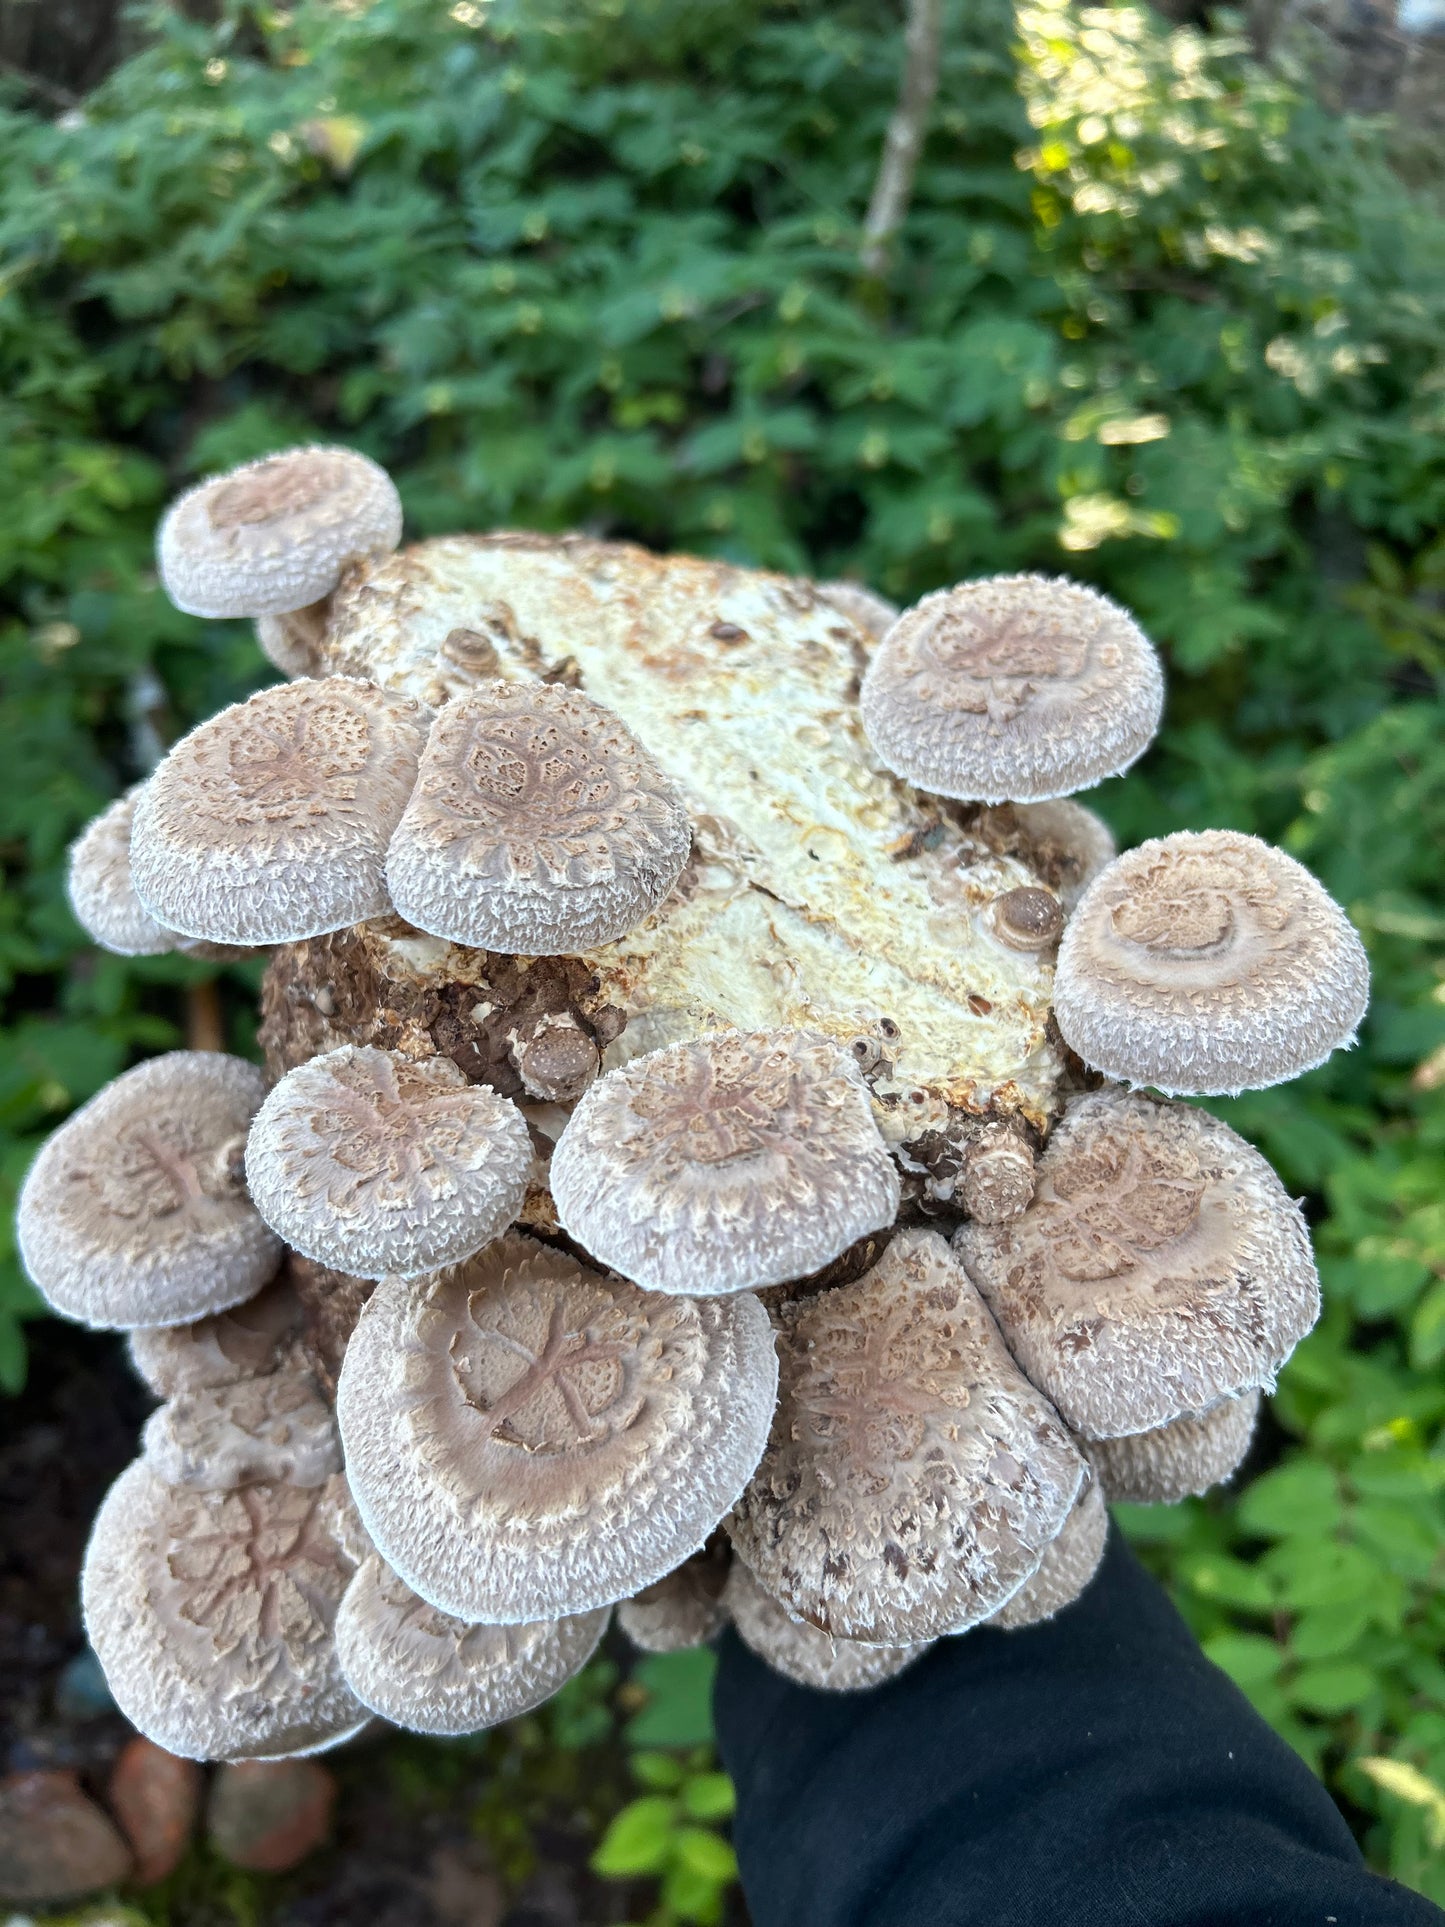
point(1154, 319)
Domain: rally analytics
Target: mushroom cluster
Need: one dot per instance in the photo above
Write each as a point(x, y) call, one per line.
point(700, 1165)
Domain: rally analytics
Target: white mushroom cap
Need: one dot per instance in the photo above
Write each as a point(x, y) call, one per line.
point(800, 1652)
point(527, 1439)
point(244, 1342)
point(1016, 688)
point(1178, 1460)
point(276, 534)
point(1207, 962)
point(739, 1160)
point(1160, 1268)
point(134, 1212)
point(1069, 1563)
point(372, 1162)
point(276, 1429)
point(539, 825)
point(685, 1609)
point(212, 1613)
point(913, 1477)
point(270, 822)
point(431, 1673)
point(874, 614)
point(100, 889)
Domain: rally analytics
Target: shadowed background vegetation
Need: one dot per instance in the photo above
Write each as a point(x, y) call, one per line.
point(1155, 319)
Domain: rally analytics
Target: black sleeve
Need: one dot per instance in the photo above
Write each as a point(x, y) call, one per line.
point(1095, 1771)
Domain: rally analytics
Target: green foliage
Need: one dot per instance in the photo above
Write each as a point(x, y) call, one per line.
point(1153, 319)
point(669, 1833)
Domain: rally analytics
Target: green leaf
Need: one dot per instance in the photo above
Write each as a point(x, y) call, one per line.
point(706, 1854)
point(661, 1771)
point(1299, 1498)
point(1332, 1687)
point(679, 1704)
point(709, 1796)
point(1249, 1658)
point(1325, 1631)
point(639, 1839)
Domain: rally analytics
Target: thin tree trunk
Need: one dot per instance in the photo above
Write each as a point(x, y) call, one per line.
point(923, 45)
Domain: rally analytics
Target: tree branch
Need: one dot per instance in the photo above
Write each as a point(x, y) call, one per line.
point(923, 45)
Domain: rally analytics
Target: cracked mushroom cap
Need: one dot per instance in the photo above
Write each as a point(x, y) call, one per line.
point(539, 825)
point(1069, 1563)
point(1016, 688)
point(135, 1212)
point(913, 1477)
point(527, 1439)
point(212, 1614)
point(269, 823)
point(258, 1431)
point(874, 614)
point(430, 1673)
point(800, 1652)
point(371, 1162)
point(738, 1160)
point(276, 535)
point(686, 1608)
point(247, 1341)
point(101, 891)
point(1178, 1460)
point(1160, 1268)
point(1208, 963)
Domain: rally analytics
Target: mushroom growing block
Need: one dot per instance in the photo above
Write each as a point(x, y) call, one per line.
point(609, 923)
point(527, 1439)
point(1160, 1268)
point(135, 1212)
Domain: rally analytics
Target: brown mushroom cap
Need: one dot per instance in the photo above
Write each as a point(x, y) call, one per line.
point(270, 822)
point(1207, 962)
point(874, 614)
point(134, 1212)
point(539, 824)
point(372, 1162)
point(1178, 1460)
point(1069, 1563)
point(431, 1673)
point(276, 534)
point(738, 1160)
point(913, 1476)
point(1016, 688)
point(1071, 845)
point(212, 1613)
point(1160, 1268)
point(685, 1609)
point(527, 1439)
point(244, 1342)
point(271, 1430)
point(102, 894)
point(800, 1652)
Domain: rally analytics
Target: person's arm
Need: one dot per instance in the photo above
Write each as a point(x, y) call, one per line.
point(1095, 1771)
